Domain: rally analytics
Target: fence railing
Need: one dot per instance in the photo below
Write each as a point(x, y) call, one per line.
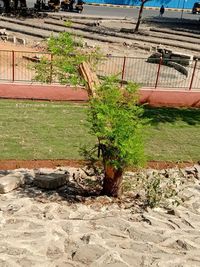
point(157, 72)
point(17, 66)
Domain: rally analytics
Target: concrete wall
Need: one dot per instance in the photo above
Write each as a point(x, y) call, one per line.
point(187, 4)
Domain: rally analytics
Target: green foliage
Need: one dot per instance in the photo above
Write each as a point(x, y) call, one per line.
point(67, 55)
point(68, 23)
point(116, 121)
point(44, 71)
point(157, 191)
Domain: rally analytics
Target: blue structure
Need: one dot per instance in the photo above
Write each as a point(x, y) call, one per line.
point(186, 4)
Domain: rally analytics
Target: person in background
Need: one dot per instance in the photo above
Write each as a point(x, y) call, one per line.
point(162, 11)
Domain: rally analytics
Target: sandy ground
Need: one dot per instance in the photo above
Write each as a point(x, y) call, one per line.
point(10, 46)
point(40, 228)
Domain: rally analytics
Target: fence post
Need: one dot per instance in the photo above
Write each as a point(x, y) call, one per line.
point(13, 65)
point(123, 70)
point(51, 68)
point(158, 72)
point(193, 73)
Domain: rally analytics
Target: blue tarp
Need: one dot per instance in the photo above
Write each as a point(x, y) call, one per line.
point(188, 4)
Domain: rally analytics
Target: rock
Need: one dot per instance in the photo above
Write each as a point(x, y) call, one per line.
point(140, 235)
point(197, 169)
point(171, 212)
point(11, 182)
point(50, 181)
point(49, 171)
point(54, 252)
point(3, 172)
point(11, 39)
point(88, 253)
point(116, 264)
point(132, 259)
point(88, 171)
point(29, 175)
point(86, 238)
point(190, 170)
point(3, 32)
point(2, 219)
point(20, 41)
point(76, 174)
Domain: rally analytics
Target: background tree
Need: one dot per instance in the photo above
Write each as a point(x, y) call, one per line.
point(142, 3)
point(140, 14)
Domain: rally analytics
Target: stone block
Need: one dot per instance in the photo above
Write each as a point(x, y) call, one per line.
point(3, 32)
point(10, 182)
point(11, 39)
point(88, 254)
point(50, 181)
point(20, 41)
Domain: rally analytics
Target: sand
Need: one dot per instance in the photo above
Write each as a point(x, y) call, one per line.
point(45, 229)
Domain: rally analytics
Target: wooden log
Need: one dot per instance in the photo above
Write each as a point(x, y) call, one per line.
point(90, 77)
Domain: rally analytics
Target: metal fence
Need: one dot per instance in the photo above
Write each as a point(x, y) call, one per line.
point(163, 73)
point(17, 66)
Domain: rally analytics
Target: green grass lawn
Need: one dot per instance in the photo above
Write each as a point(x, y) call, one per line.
point(56, 130)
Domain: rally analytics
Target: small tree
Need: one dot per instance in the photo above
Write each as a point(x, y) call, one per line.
point(114, 114)
point(115, 119)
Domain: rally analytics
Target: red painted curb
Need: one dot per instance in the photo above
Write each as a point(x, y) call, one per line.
point(154, 97)
point(42, 92)
point(170, 98)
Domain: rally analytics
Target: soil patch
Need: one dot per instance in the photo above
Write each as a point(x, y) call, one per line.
point(31, 164)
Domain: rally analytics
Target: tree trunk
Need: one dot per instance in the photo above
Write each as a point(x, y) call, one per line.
point(139, 16)
point(112, 184)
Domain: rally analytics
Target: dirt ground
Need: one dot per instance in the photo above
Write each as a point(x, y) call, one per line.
point(8, 46)
point(31, 164)
point(109, 34)
point(113, 40)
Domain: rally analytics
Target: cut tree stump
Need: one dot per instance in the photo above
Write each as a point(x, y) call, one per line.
point(90, 77)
